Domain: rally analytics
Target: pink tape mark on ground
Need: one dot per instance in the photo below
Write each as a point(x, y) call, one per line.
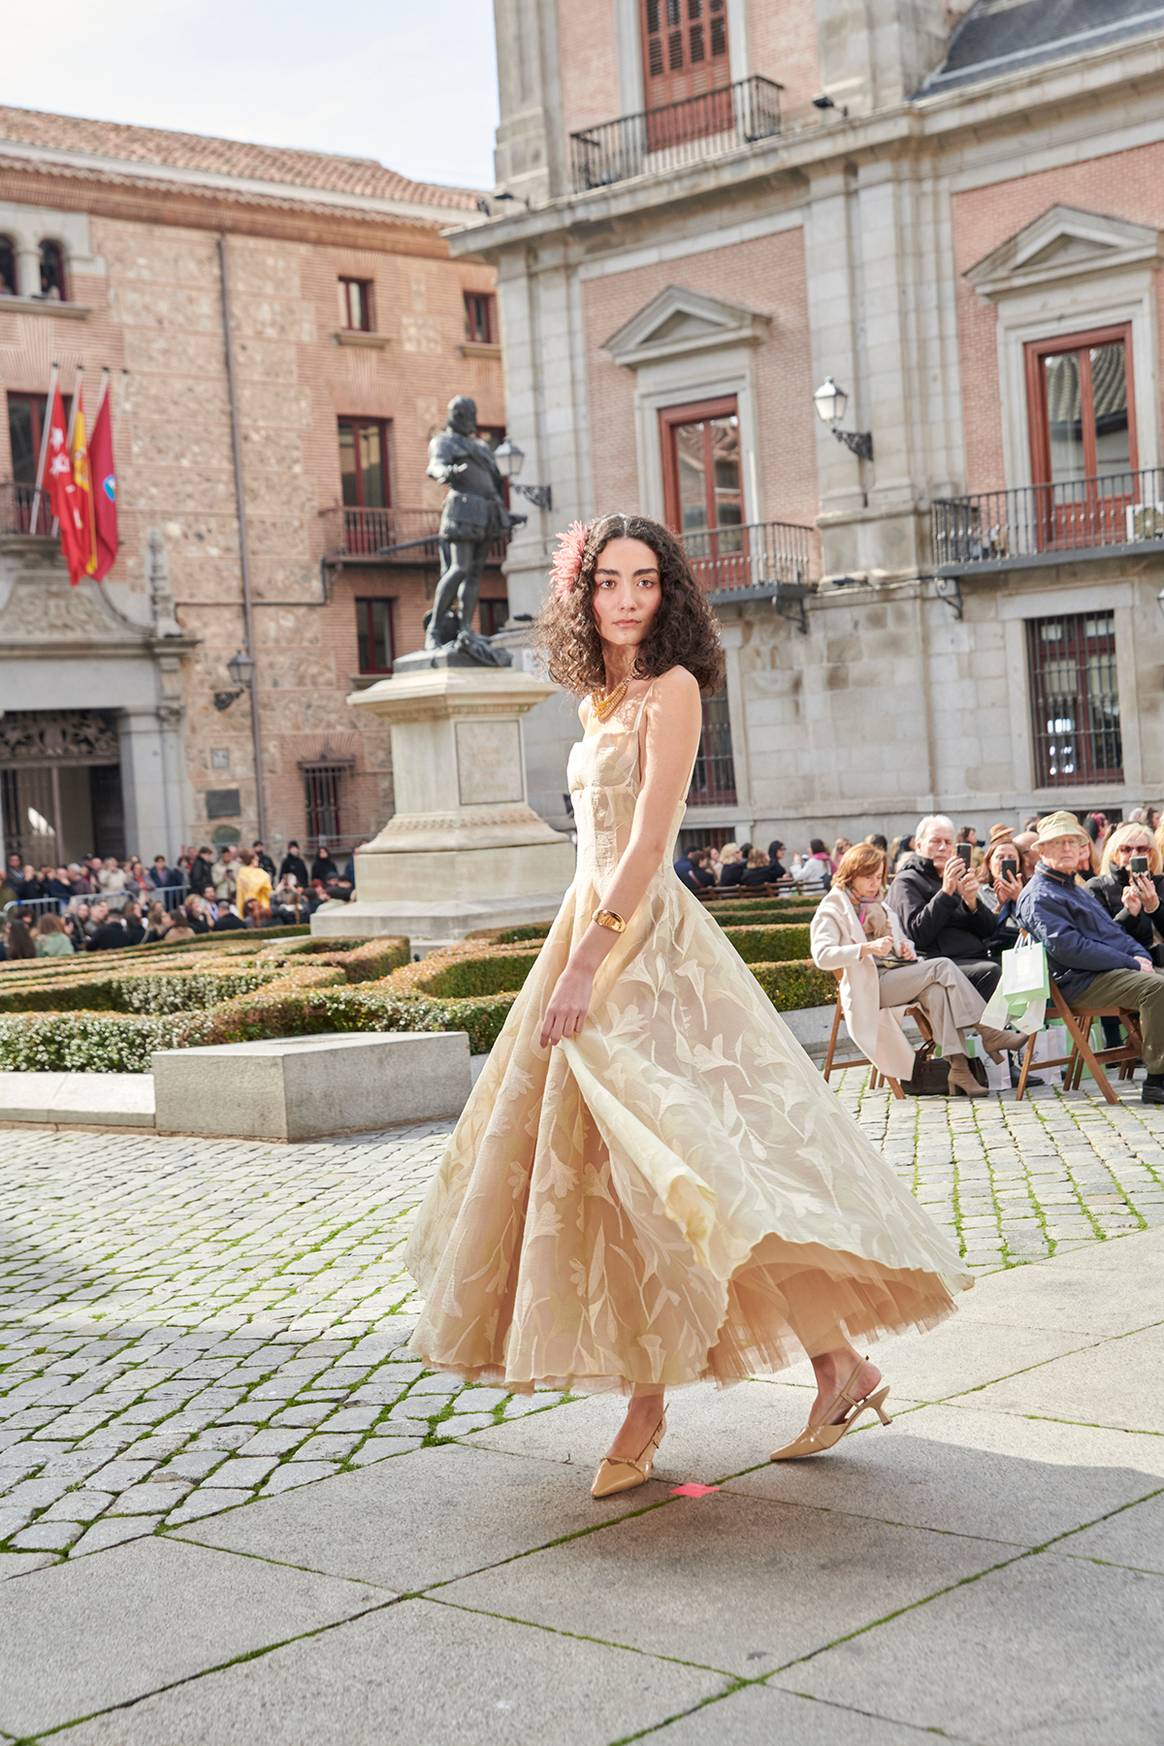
point(693, 1490)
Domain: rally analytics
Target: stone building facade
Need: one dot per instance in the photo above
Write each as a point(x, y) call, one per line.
point(954, 211)
point(283, 331)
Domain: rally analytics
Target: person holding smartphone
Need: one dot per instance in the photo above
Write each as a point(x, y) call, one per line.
point(1130, 885)
point(935, 896)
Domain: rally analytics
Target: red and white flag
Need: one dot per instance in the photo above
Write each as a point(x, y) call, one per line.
point(104, 476)
point(64, 498)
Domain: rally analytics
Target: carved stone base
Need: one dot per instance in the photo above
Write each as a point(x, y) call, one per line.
point(464, 849)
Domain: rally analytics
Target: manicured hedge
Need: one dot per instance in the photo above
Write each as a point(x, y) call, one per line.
point(108, 1013)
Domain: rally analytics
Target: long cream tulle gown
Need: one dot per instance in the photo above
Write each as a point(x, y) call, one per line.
point(674, 1193)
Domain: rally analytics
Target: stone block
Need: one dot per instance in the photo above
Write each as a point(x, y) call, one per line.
point(1050, 1647)
point(731, 1565)
point(438, 1513)
point(419, 1672)
point(299, 1088)
point(102, 1631)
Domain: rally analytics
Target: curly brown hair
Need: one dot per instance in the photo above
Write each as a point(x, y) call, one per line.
point(684, 631)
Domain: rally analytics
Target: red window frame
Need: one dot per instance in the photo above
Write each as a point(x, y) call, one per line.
point(480, 318)
point(1071, 515)
point(367, 635)
point(671, 418)
point(1082, 343)
point(356, 310)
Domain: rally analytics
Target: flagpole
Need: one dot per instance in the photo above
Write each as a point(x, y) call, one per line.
point(54, 378)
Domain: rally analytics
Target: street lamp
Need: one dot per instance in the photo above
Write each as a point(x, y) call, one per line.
point(830, 401)
point(241, 668)
point(510, 460)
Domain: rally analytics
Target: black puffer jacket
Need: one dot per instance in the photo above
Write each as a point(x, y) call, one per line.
point(1144, 929)
point(938, 922)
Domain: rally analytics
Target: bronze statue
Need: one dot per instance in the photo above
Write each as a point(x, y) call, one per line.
point(472, 519)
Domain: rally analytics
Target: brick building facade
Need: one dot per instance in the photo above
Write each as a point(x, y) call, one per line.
point(300, 309)
point(956, 212)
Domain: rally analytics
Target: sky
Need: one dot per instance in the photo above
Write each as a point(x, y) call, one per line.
point(412, 83)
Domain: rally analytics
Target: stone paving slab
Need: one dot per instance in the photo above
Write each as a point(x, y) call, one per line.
point(994, 1475)
point(1134, 1537)
point(381, 1525)
point(759, 1715)
point(102, 1631)
point(417, 1673)
point(1087, 1387)
point(711, 1432)
point(1049, 1648)
point(728, 1581)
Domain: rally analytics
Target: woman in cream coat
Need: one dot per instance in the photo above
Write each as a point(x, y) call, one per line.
point(856, 935)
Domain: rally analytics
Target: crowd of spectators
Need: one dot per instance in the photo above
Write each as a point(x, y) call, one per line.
point(927, 917)
point(105, 902)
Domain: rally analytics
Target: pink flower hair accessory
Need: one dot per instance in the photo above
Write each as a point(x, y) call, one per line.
point(566, 563)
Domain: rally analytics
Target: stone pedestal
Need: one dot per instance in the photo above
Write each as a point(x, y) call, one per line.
point(464, 849)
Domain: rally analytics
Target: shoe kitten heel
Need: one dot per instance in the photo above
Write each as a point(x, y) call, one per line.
point(826, 1434)
point(624, 1472)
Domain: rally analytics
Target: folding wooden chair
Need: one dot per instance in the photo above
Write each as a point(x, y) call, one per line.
point(1078, 1028)
point(832, 1065)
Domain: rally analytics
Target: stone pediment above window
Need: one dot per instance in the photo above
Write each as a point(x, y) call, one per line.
point(678, 322)
point(1064, 243)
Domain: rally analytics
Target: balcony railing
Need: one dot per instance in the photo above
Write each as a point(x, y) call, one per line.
point(388, 536)
point(16, 510)
point(1042, 524)
point(731, 560)
point(677, 134)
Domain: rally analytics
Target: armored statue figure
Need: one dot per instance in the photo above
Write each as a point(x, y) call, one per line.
point(472, 519)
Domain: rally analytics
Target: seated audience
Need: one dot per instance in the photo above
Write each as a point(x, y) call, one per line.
point(51, 939)
point(731, 865)
point(1133, 899)
point(18, 941)
point(229, 921)
point(855, 933)
point(935, 898)
point(158, 924)
point(1095, 962)
point(765, 870)
point(691, 867)
point(1001, 885)
point(817, 869)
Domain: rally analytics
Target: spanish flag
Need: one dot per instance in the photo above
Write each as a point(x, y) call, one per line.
point(81, 479)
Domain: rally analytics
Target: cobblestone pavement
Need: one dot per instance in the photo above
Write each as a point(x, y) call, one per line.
point(188, 1324)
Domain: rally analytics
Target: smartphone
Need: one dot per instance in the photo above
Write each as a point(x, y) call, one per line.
point(963, 852)
point(1139, 863)
point(1008, 867)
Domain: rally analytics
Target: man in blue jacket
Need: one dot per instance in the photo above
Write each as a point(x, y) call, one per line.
point(1095, 963)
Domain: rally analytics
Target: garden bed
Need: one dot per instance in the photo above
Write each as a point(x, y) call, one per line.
point(108, 1013)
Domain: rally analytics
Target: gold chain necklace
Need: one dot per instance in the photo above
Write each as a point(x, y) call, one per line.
point(605, 701)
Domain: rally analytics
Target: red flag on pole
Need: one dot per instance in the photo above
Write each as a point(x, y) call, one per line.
point(104, 489)
point(63, 496)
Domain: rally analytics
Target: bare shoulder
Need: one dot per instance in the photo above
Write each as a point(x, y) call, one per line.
point(676, 692)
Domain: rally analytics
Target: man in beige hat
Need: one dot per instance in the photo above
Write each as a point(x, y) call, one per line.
point(1095, 963)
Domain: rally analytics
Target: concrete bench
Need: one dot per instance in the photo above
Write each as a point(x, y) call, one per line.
point(302, 1088)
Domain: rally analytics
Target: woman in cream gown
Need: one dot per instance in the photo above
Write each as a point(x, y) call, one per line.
point(650, 1183)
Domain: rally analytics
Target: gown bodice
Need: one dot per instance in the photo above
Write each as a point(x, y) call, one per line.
point(602, 773)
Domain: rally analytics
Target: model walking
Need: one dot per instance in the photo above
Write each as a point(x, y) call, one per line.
point(650, 1183)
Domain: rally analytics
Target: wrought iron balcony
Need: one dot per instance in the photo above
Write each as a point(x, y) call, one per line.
point(756, 559)
point(387, 536)
point(675, 135)
point(1045, 524)
point(16, 515)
